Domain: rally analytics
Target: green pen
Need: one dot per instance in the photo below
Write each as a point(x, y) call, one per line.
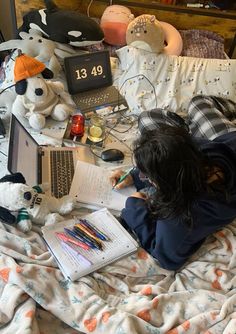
point(123, 177)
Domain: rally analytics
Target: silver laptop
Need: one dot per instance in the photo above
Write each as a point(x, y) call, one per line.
point(43, 164)
point(89, 80)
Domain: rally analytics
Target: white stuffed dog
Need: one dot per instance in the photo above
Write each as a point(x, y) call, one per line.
point(38, 98)
point(39, 208)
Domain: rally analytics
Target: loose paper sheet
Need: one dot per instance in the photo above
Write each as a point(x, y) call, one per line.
point(91, 185)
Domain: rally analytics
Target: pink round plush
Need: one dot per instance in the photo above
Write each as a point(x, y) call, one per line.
point(172, 38)
point(114, 22)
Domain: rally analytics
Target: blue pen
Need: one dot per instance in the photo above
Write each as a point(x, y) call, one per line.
point(95, 230)
point(86, 239)
point(73, 234)
point(79, 237)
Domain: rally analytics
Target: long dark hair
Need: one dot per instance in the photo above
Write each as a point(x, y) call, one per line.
point(171, 160)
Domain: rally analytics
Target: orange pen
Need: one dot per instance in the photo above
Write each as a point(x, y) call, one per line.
point(88, 232)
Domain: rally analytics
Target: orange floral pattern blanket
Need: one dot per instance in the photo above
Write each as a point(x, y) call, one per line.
point(133, 295)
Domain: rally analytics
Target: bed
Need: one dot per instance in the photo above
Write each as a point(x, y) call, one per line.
point(133, 295)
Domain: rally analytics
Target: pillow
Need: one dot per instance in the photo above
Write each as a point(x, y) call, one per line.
point(202, 44)
point(149, 80)
point(114, 23)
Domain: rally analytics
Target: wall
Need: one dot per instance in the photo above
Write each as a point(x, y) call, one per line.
point(220, 22)
point(23, 6)
point(7, 19)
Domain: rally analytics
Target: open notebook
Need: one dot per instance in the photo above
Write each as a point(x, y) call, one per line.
point(119, 244)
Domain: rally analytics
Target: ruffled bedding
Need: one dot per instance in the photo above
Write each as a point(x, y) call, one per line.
point(148, 80)
point(131, 296)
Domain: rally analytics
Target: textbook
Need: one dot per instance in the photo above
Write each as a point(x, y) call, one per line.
point(91, 186)
point(75, 261)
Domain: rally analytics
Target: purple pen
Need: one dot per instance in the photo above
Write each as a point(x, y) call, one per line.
point(76, 253)
point(94, 229)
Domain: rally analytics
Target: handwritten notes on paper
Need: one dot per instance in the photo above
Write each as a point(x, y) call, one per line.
point(91, 185)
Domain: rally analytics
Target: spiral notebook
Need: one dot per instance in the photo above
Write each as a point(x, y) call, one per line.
point(119, 244)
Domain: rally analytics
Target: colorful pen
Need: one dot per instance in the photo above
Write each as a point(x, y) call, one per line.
point(76, 253)
point(64, 237)
point(78, 237)
point(82, 237)
point(88, 232)
point(123, 177)
point(94, 230)
point(85, 234)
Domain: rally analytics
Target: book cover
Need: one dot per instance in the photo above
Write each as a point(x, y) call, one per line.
point(119, 244)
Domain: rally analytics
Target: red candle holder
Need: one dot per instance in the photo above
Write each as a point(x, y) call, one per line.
point(77, 125)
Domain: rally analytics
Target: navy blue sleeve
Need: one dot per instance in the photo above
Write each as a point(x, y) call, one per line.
point(137, 217)
point(163, 239)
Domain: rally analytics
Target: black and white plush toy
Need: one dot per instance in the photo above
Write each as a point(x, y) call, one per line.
point(23, 205)
point(63, 26)
point(38, 98)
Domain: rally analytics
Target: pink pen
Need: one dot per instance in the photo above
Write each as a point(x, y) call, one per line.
point(65, 238)
point(75, 253)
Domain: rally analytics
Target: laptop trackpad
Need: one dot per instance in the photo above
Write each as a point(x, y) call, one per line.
point(83, 153)
point(45, 168)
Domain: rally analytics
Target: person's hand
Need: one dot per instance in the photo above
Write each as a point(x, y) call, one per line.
point(115, 176)
point(139, 195)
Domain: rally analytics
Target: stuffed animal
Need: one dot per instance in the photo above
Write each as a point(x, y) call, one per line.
point(173, 40)
point(34, 45)
point(63, 26)
point(30, 204)
point(114, 22)
point(38, 98)
point(145, 32)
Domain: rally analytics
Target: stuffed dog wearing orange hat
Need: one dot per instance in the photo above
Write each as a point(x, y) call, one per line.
point(38, 98)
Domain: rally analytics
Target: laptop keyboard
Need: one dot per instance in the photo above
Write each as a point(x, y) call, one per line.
point(92, 99)
point(62, 172)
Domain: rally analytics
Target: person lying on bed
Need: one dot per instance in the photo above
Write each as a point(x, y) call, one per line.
point(191, 177)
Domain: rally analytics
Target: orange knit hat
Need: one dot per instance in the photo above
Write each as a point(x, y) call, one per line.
point(26, 67)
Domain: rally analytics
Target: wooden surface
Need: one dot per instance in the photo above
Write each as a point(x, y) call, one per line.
point(221, 22)
point(24, 6)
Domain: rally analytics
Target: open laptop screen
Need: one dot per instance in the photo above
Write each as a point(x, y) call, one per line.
point(88, 71)
point(23, 153)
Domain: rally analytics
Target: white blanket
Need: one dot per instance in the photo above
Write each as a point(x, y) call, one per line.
point(149, 81)
point(131, 296)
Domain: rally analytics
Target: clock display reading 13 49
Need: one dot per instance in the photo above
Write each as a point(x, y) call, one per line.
point(83, 73)
point(88, 71)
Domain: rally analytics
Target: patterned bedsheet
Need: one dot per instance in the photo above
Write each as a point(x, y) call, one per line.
point(133, 295)
point(149, 80)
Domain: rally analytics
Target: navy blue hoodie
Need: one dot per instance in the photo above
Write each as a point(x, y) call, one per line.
point(170, 241)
